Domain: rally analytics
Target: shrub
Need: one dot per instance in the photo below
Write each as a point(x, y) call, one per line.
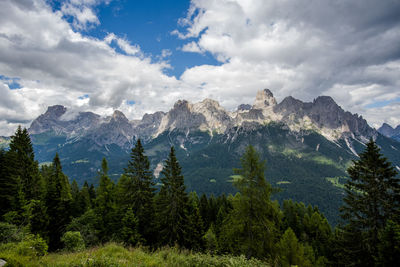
point(73, 241)
point(32, 245)
point(10, 233)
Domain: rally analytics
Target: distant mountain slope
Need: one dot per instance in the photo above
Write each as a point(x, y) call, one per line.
point(389, 131)
point(307, 146)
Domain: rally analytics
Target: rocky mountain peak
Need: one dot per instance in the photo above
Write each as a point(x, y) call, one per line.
point(48, 120)
point(181, 105)
point(119, 116)
point(264, 99)
point(55, 111)
point(388, 130)
point(326, 102)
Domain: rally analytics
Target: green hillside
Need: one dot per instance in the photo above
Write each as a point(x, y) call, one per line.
point(299, 164)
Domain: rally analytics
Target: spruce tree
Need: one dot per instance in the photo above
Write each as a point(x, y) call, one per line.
point(105, 204)
point(195, 232)
point(25, 166)
point(129, 229)
point(172, 204)
point(372, 198)
point(9, 184)
point(252, 226)
point(58, 201)
point(138, 191)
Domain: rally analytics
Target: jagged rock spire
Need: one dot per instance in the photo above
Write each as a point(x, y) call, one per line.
point(264, 99)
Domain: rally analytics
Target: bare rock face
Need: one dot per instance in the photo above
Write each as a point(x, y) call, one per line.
point(49, 121)
point(182, 118)
point(115, 129)
point(264, 99)
point(149, 124)
point(323, 115)
point(244, 107)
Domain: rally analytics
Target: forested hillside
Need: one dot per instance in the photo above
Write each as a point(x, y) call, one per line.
point(42, 212)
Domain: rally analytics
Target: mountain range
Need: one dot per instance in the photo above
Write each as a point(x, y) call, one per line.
point(307, 145)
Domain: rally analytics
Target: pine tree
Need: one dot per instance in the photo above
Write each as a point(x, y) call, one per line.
point(9, 184)
point(138, 191)
point(85, 201)
point(58, 201)
point(172, 204)
point(195, 231)
point(105, 204)
point(25, 165)
point(129, 229)
point(76, 210)
point(291, 251)
point(203, 207)
point(251, 227)
point(372, 198)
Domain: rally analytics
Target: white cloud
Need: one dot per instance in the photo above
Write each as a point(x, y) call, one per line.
point(347, 49)
point(192, 47)
point(123, 44)
point(57, 65)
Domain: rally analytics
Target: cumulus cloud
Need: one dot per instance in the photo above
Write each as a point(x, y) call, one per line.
point(346, 49)
point(81, 11)
point(57, 65)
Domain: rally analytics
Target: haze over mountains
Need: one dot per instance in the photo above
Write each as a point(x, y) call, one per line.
point(307, 145)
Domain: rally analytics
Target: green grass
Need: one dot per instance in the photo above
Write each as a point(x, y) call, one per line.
point(116, 255)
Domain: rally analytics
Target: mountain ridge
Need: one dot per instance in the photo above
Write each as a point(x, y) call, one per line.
point(322, 115)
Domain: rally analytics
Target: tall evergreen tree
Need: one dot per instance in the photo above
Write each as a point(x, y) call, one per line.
point(251, 227)
point(195, 231)
point(25, 166)
point(58, 201)
point(172, 204)
point(105, 204)
point(9, 184)
point(138, 191)
point(372, 198)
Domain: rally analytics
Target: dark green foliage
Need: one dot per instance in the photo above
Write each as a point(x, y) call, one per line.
point(372, 198)
point(195, 231)
point(87, 225)
point(25, 165)
point(105, 206)
point(129, 229)
point(309, 225)
point(8, 185)
point(58, 201)
point(389, 245)
point(10, 233)
point(76, 209)
point(137, 191)
point(85, 198)
point(36, 217)
point(251, 227)
point(20, 180)
point(172, 204)
point(291, 251)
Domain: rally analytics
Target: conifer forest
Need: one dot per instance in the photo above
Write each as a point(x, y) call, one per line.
point(48, 220)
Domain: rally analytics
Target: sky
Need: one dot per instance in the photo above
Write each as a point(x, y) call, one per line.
point(142, 56)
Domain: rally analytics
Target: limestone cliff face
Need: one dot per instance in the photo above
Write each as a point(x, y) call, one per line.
point(322, 115)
